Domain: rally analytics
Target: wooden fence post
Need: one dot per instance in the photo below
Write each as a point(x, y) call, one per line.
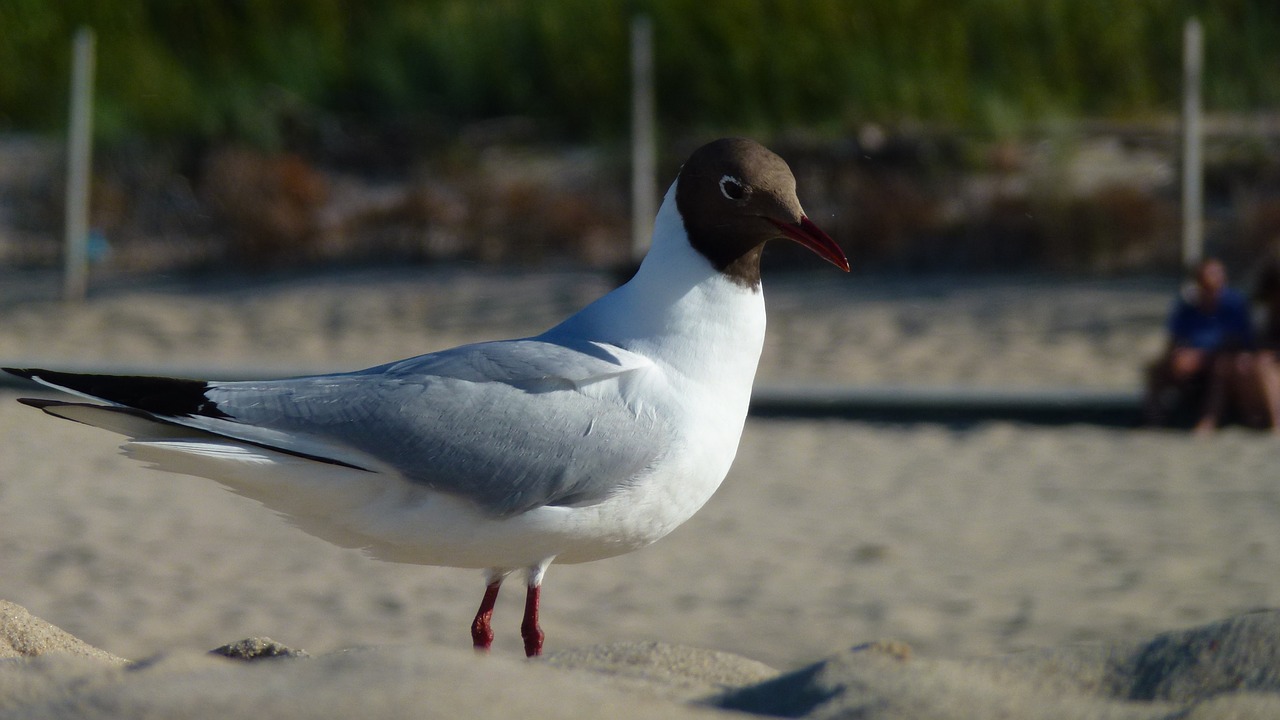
point(79, 169)
point(1192, 160)
point(643, 143)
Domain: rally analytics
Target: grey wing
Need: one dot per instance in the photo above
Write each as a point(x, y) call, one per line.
point(507, 425)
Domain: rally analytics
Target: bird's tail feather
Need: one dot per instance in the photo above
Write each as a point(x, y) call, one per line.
point(157, 395)
point(133, 423)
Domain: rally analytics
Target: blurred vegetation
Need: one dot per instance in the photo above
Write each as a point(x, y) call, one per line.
point(253, 69)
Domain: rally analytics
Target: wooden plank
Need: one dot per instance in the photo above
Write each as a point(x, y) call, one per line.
point(951, 405)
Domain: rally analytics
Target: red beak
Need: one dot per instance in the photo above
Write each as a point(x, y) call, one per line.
point(812, 237)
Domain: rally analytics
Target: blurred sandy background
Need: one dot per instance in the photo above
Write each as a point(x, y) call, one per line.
point(960, 541)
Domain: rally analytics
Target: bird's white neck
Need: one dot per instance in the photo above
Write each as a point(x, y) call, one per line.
point(679, 310)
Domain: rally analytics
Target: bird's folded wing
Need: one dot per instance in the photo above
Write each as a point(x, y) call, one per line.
point(536, 364)
point(509, 425)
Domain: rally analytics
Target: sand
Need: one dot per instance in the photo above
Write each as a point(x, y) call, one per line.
point(1024, 567)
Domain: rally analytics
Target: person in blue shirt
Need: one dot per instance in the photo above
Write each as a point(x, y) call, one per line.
point(1211, 353)
point(1210, 316)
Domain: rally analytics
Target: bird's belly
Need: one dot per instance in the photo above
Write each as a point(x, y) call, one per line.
point(438, 529)
point(398, 521)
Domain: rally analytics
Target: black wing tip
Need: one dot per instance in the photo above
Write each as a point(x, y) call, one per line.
point(40, 403)
point(157, 395)
point(49, 406)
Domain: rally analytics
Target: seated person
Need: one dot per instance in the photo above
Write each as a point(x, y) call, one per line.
point(1210, 354)
point(1266, 292)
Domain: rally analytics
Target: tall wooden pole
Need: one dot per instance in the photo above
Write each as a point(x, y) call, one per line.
point(79, 167)
point(643, 143)
point(1192, 161)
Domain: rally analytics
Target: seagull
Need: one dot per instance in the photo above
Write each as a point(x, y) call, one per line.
point(593, 439)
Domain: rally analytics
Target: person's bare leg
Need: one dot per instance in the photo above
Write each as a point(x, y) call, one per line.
point(1175, 370)
point(1158, 381)
point(1244, 388)
point(1268, 376)
point(1171, 371)
point(1215, 400)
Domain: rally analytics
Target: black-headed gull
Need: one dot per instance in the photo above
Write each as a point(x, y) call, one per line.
point(590, 440)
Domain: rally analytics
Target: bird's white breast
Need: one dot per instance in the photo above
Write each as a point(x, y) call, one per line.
point(704, 334)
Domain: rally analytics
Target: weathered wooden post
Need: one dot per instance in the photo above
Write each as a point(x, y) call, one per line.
point(1192, 161)
point(79, 168)
point(643, 143)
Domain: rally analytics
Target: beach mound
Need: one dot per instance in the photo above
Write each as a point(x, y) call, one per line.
point(1225, 669)
point(25, 635)
point(1229, 668)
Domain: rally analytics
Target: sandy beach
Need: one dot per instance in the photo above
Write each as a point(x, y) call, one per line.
point(969, 545)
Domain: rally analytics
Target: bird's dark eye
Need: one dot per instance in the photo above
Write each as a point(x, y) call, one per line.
point(731, 187)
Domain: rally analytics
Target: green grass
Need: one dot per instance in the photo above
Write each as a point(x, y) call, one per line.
point(246, 69)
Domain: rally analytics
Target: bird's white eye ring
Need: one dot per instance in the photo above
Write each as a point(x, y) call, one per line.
point(732, 188)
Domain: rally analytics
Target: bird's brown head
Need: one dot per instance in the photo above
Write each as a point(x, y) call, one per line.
point(735, 195)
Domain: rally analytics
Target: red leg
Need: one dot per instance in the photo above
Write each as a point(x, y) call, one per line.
point(529, 629)
point(481, 631)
